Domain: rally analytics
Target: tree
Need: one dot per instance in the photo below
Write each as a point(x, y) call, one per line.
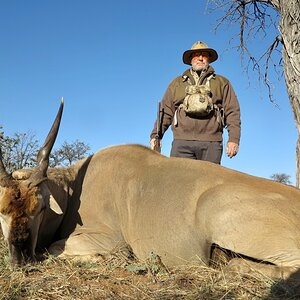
point(68, 153)
point(19, 151)
point(281, 177)
point(254, 17)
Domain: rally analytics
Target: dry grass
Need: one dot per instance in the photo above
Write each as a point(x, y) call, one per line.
point(119, 277)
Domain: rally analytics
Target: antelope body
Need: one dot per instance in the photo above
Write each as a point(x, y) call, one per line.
point(177, 208)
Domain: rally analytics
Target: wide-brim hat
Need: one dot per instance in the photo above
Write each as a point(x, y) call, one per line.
point(199, 46)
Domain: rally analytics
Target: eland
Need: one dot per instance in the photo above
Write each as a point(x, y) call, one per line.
point(180, 209)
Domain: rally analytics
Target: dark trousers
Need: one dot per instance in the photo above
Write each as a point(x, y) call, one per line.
point(209, 151)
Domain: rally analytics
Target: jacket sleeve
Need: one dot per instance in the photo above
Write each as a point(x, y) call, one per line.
point(232, 114)
point(167, 112)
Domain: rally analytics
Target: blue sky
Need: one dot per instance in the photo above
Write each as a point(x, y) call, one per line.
point(112, 62)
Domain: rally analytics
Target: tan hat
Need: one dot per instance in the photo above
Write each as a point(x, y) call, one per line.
point(213, 55)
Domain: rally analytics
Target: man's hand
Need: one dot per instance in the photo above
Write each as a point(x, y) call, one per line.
point(232, 149)
point(153, 143)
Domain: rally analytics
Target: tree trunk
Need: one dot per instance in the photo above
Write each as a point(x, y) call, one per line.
point(290, 30)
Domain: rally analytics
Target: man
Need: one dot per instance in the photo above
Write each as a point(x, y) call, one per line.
point(198, 134)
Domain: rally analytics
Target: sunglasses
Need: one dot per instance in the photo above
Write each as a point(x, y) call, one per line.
point(200, 53)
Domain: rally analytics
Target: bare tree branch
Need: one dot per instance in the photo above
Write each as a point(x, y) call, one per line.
point(253, 20)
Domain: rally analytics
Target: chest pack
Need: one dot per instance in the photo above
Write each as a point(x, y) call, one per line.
point(198, 100)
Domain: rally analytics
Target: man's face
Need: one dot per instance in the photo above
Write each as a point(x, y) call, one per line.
point(200, 60)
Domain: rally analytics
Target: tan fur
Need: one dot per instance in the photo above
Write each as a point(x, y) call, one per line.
point(177, 208)
point(18, 202)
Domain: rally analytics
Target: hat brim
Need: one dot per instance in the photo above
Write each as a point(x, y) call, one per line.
point(186, 57)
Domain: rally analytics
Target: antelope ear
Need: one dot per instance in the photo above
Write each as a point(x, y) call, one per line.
point(54, 206)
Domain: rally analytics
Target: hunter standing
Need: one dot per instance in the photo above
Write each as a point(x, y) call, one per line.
point(200, 104)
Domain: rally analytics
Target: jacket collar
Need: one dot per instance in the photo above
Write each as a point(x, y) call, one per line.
point(188, 75)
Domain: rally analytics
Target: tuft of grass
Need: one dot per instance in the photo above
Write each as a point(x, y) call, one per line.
point(112, 278)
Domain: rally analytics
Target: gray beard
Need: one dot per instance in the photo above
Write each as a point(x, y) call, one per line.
point(199, 69)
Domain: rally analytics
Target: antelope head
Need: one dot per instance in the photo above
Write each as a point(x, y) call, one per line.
point(22, 202)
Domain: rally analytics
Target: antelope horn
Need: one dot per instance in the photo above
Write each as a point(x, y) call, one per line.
point(44, 152)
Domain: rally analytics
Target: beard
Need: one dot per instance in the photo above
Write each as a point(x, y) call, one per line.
point(199, 66)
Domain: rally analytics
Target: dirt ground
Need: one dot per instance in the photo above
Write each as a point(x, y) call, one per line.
point(120, 277)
